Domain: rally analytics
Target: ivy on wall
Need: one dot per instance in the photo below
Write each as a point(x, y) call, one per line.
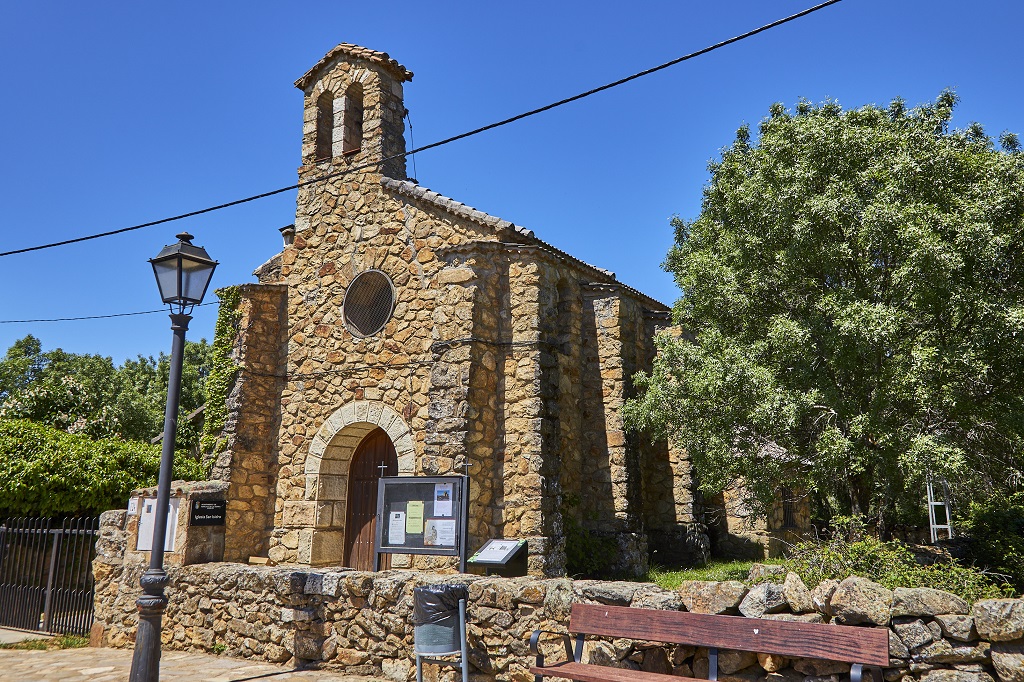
point(223, 371)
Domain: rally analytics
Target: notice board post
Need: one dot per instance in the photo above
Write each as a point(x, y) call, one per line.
point(422, 515)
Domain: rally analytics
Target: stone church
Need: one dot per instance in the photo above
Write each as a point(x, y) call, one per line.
point(401, 332)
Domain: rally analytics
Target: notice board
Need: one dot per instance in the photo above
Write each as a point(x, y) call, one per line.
point(421, 515)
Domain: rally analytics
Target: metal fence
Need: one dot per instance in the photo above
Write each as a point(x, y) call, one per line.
point(46, 579)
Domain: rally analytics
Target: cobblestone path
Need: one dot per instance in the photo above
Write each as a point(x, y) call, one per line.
point(112, 665)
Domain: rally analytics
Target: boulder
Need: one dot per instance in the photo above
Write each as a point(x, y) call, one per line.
point(656, 661)
point(816, 667)
point(897, 649)
point(796, 617)
point(914, 633)
point(859, 600)
point(730, 662)
point(999, 620)
point(665, 600)
point(1008, 660)
point(772, 662)
point(597, 652)
point(764, 571)
point(751, 674)
point(957, 627)
point(797, 594)
point(821, 596)
point(941, 651)
point(762, 599)
point(682, 670)
point(784, 675)
point(924, 601)
point(943, 675)
point(703, 596)
point(614, 593)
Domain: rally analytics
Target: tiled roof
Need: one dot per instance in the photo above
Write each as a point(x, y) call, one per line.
point(459, 209)
point(381, 58)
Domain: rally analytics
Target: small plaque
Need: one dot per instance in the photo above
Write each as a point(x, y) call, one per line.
point(207, 513)
point(497, 551)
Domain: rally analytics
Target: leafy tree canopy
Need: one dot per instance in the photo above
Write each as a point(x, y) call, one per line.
point(47, 472)
point(88, 394)
point(852, 310)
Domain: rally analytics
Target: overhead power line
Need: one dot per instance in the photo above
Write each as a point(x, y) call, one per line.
point(98, 317)
point(433, 145)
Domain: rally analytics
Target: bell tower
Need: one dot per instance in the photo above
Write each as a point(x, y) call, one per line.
point(354, 112)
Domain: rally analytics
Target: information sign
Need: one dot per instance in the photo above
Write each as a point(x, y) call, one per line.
point(421, 515)
point(207, 513)
point(502, 557)
point(147, 524)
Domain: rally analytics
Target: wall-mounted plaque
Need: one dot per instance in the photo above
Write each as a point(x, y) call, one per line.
point(207, 513)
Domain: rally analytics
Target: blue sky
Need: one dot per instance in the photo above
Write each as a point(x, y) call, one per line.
point(116, 113)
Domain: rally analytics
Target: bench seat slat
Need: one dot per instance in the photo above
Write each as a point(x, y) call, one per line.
point(585, 672)
point(805, 640)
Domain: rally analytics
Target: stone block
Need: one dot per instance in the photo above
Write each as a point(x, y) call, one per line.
point(1008, 660)
point(299, 514)
point(999, 620)
point(859, 600)
point(925, 601)
point(327, 547)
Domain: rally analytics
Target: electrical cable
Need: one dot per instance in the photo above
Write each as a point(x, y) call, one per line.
point(100, 317)
point(432, 145)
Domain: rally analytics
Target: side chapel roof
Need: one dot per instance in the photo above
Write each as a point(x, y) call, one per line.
point(461, 210)
point(381, 58)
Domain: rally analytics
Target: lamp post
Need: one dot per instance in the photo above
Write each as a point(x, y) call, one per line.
point(183, 273)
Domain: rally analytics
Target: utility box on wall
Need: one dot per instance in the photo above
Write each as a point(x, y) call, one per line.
point(195, 524)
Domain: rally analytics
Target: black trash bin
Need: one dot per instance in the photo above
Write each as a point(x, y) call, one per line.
point(437, 618)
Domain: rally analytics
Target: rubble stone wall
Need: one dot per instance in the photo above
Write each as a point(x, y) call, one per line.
point(360, 622)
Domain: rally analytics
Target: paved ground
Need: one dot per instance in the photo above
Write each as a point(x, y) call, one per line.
point(113, 665)
point(14, 636)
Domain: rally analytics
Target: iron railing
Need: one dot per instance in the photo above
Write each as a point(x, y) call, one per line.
point(46, 581)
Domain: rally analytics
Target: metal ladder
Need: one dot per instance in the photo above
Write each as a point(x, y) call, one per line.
point(934, 526)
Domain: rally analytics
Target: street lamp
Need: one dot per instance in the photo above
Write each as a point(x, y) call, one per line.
point(183, 273)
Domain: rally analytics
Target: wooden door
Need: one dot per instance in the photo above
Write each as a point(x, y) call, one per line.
point(376, 449)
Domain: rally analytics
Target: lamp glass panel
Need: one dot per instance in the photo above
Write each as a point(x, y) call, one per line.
point(194, 278)
point(167, 279)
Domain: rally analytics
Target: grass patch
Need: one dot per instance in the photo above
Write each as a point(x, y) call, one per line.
point(48, 644)
point(715, 570)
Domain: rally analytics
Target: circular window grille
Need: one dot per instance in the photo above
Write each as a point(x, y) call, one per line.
point(369, 302)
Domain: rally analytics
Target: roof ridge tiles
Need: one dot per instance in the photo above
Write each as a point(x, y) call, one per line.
point(382, 59)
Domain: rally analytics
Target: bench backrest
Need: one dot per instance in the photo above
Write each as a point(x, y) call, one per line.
point(805, 640)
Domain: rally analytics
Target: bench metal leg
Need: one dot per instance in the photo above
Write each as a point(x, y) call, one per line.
point(713, 665)
point(464, 662)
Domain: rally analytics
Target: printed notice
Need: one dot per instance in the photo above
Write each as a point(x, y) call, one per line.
point(442, 499)
point(497, 551)
point(396, 529)
point(147, 524)
point(414, 517)
point(439, 533)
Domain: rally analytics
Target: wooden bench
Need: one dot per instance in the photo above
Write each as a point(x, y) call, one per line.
point(859, 646)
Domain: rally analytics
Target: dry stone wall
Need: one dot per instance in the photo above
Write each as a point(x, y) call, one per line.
point(360, 622)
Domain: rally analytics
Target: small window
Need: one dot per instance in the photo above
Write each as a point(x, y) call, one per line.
point(368, 303)
point(324, 126)
point(352, 135)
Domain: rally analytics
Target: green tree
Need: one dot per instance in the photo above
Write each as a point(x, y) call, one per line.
point(851, 310)
point(88, 394)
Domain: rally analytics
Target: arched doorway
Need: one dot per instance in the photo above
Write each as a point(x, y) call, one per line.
point(374, 457)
